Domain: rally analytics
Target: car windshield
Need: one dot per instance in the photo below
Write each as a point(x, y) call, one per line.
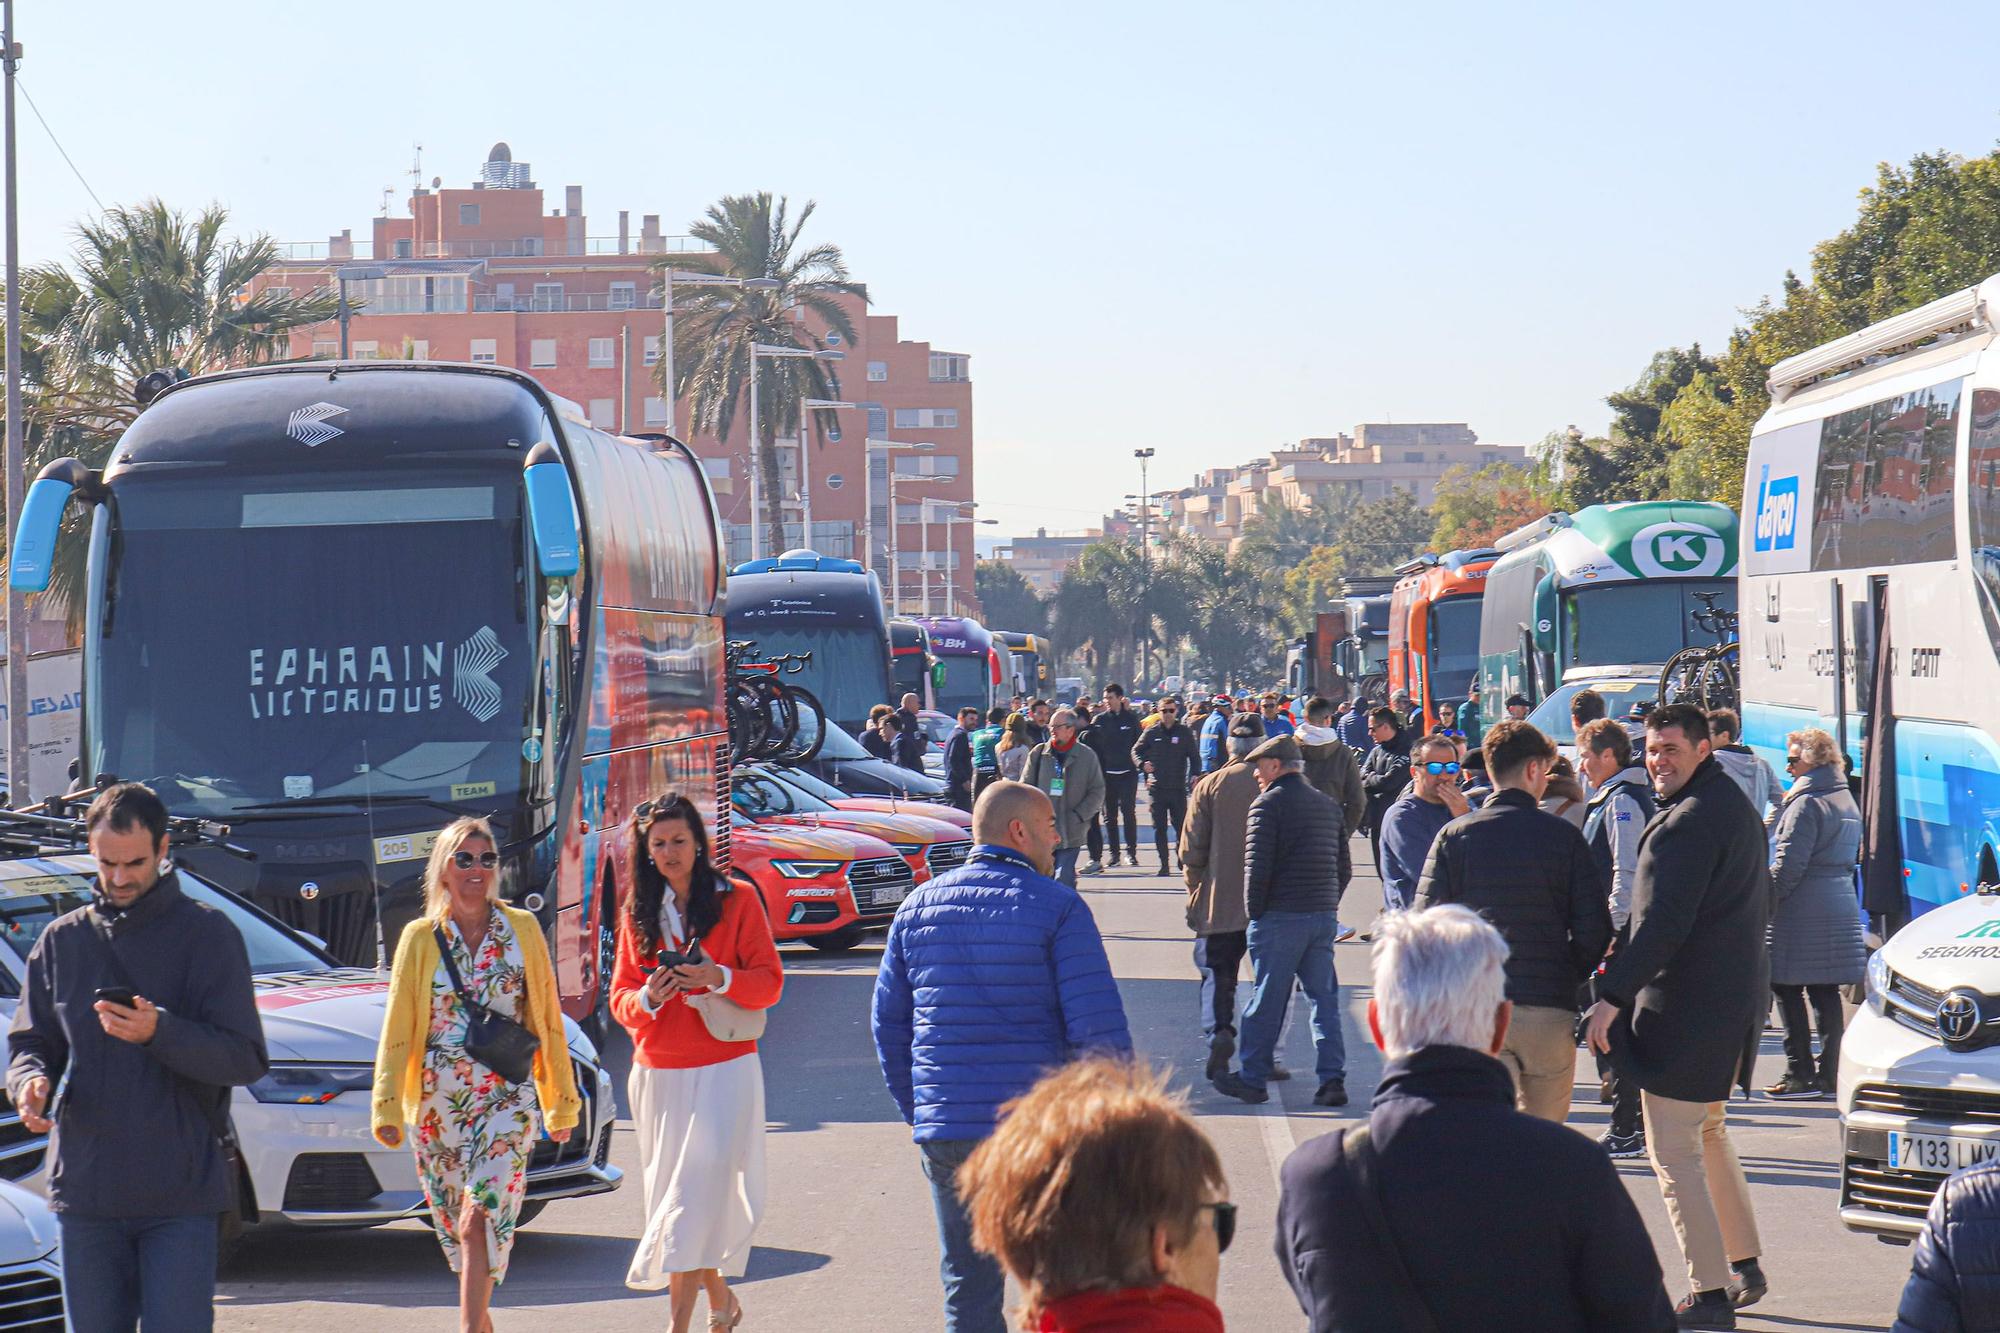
point(28, 903)
point(849, 668)
point(808, 783)
point(937, 727)
point(760, 796)
point(1551, 717)
point(272, 641)
point(1640, 622)
point(837, 745)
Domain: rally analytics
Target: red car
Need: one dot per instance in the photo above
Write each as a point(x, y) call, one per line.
point(825, 886)
point(929, 845)
point(834, 796)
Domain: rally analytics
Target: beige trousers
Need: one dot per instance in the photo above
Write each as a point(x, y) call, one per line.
point(1708, 1200)
point(1540, 1052)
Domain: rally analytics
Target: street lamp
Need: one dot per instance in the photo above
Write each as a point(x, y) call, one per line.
point(869, 448)
point(767, 352)
point(805, 469)
point(895, 526)
point(954, 514)
point(1145, 556)
point(345, 274)
point(668, 277)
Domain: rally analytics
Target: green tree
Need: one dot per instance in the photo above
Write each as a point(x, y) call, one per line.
point(716, 327)
point(1476, 508)
point(1008, 600)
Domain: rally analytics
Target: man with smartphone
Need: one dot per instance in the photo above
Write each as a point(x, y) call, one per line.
point(140, 1008)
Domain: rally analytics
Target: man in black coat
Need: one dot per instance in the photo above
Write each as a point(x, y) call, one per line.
point(1531, 875)
point(1170, 757)
point(1954, 1283)
point(958, 759)
point(1385, 771)
point(1292, 850)
point(1678, 997)
point(1112, 735)
point(1451, 1210)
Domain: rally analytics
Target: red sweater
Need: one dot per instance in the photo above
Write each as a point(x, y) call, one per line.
point(675, 1037)
point(1161, 1309)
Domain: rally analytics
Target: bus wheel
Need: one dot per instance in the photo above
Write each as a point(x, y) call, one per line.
point(837, 941)
point(599, 1023)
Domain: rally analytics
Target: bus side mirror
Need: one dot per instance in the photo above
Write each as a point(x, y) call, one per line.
point(937, 675)
point(33, 558)
point(1545, 614)
point(551, 513)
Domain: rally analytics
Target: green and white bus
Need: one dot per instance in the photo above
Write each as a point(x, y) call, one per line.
point(1608, 590)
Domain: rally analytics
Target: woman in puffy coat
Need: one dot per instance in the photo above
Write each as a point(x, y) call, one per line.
point(1815, 935)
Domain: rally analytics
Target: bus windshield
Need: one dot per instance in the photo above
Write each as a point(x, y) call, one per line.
point(267, 642)
point(1454, 644)
point(966, 682)
point(847, 671)
point(1640, 622)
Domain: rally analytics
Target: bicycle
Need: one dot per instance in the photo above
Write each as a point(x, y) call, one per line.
point(1706, 676)
point(764, 712)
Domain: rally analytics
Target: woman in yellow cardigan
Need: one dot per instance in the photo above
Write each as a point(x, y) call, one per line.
point(474, 1129)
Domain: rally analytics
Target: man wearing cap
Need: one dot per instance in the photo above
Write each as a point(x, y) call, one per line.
point(1211, 852)
point(1517, 707)
point(1292, 854)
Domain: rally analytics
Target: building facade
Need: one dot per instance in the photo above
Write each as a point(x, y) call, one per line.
point(486, 274)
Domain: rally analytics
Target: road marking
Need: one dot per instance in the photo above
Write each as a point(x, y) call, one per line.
point(1276, 1125)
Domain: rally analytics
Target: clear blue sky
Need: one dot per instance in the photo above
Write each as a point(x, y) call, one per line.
point(1205, 228)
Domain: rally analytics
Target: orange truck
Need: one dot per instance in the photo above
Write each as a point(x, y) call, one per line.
point(1434, 628)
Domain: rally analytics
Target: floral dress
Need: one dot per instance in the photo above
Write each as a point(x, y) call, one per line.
point(474, 1129)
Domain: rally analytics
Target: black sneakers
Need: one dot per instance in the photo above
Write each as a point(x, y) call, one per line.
point(1792, 1088)
point(1705, 1309)
point(1749, 1285)
point(1333, 1092)
point(1624, 1145)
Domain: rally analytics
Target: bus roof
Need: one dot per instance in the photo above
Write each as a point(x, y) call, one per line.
point(957, 636)
point(823, 597)
point(1635, 540)
point(1453, 574)
point(907, 636)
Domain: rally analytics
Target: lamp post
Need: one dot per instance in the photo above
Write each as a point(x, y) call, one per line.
point(767, 352)
point(954, 514)
point(343, 275)
point(668, 277)
point(895, 526)
point(805, 471)
point(1145, 555)
point(16, 479)
point(869, 448)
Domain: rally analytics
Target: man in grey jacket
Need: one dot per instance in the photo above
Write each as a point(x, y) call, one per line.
point(1069, 774)
point(1211, 852)
point(1621, 804)
point(138, 1172)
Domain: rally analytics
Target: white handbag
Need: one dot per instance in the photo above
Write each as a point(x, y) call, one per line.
point(728, 1020)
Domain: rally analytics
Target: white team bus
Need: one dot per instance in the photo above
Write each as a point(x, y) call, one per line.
point(1872, 494)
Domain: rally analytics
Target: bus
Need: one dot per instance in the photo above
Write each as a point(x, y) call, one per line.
point(1610, 589)
point(1434, 628)
point(972, 668)
point(1872, 489)
point(805, 602)
point(1033, 657)
point(336, 605)
point(911, 662)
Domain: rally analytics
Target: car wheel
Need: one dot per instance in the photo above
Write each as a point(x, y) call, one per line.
point(837, 941)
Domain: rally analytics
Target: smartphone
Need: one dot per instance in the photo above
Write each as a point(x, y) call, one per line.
point(669, 958)
point(118, 995)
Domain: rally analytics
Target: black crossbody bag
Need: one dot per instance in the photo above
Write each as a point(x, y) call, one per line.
point(499, 1043)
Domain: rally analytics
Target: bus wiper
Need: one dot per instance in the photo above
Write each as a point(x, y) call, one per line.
point(360, 802)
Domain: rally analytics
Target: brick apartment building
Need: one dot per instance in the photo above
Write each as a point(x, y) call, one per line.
point(486, 274)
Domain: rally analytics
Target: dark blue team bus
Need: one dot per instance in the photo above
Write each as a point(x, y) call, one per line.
point(802, 602)
point(337, 605)
point(913, 664)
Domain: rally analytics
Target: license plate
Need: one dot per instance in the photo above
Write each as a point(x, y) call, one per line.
point(1939, 1152)
point(889, 895)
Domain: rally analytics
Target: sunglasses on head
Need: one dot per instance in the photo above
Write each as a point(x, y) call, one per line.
point(1435, 766)
point(645, 809)
point(1225, 1224)
point(467, 860)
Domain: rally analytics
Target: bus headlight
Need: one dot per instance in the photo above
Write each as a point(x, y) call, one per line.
point(805, 869)
point(1877, 980)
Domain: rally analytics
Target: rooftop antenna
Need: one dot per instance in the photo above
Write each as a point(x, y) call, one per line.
point(416, 171)
point(388, 193)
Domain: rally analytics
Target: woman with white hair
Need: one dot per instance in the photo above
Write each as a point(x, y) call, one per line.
point(1815, 934)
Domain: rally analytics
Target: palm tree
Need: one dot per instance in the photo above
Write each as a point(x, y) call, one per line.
point(150, 288)
point(754, 237)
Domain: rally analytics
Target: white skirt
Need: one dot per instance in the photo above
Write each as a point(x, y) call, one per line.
point(701, 1156)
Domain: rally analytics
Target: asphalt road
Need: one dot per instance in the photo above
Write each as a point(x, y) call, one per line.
point(848, 1239)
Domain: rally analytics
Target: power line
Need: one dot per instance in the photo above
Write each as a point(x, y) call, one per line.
point(58, 143)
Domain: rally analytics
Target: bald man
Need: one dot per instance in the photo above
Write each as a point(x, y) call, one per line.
point(1015, 982)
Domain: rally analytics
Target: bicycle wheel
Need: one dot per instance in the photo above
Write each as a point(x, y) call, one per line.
point(748, 723)
point(1680, 677)
point(781, 719)
point(1718, 683)
point(809, 725)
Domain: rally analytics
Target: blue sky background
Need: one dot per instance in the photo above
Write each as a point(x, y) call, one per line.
point(1209, 229)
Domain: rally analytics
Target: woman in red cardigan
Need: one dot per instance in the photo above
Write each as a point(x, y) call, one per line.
point(697, 1102)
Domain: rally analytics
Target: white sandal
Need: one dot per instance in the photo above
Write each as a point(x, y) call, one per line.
point(718, 1323)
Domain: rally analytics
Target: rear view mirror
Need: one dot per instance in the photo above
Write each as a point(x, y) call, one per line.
point(34, 549)
point(937, 675)
point(1545, 614)
point(551, 513)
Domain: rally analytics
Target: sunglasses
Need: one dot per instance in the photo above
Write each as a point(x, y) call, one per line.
point(645, 809)
point(1435, 767)
point(484, 860)
point(1793, 761)
point(1225, 1225)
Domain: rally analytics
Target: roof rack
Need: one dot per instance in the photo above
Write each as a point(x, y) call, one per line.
point(34, 833)
point(1941, 320)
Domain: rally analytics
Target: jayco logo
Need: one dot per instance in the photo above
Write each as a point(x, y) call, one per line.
point(1677, 550)
point(1777, 512)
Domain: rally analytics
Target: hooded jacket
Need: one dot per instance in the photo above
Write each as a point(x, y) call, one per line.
point(1815, 919)
point(1335, 769)
point(1616, 816)
point(1757, 778)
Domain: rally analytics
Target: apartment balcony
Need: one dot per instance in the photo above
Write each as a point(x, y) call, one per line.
point(484, 303)
point(527, 247)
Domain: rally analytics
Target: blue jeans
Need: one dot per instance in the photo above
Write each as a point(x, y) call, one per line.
point(975, 1290)
point(1284, 946)
point(1066, 865)
point(119, 1272)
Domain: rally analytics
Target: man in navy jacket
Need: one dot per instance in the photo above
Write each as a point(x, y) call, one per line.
point(993, 974)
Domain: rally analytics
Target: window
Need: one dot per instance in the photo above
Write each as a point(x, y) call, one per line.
point(1413, 455)
point(410, 294)
point(716, 468)
point(925, 418)
point(548, 296)
point(652, 348)
point(326, 349)
point(485, 350)
point(468, 215)
point(404, 247)
point(624, 295)
point(363, 351)
point(878, 372)
point(603, 351)
point(601, 413)
point(278, 293)
point(542, 354)
point(878, 421)
point(1885, 481)
point(950, 368)
point(927, 465)
point(656, 411)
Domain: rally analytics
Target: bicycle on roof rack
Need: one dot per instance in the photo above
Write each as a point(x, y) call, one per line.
point(1706, 675)
point(765, 711)
point(53, 829)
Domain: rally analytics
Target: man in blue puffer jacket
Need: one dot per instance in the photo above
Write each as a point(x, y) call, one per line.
point(1954, 1284)
point(993, 974)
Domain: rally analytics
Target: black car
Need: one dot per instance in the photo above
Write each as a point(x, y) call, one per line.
point(843, 762)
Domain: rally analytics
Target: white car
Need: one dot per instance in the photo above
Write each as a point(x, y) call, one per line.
point(304, 1127)
point(1919, 1084)
point(31, 1286)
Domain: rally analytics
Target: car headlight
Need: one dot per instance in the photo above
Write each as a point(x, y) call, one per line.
point(805, 869)
point(311, 1085)
point(908, 848)
point(1877, 983)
